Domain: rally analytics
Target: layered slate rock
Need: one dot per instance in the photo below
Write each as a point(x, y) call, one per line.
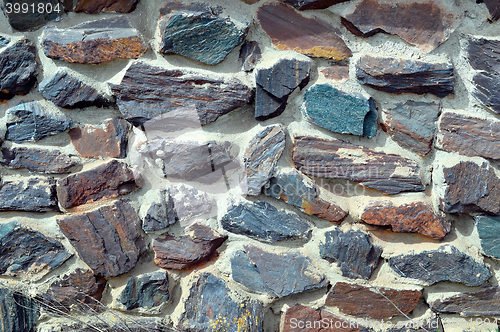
point(277, 275)
point(312, 4)
point(263, 222)
point(353, 252)
point(20, 312)
point(98, 6)
point(159, 213)
point(108, 180)
point(395, 75)
point(446, 263)
point(290, 30)
point(149, 291)
point(94, 42)
point(377, 303)
point(408, 218)
point(146, 92)
point(113, 231)
point(65, 89)
point(487, 228)
point(493, 7)
point(189, 202)
point(336, 159)
point(32, 121)
point(424, 24)
point(210, 307)
point(339, 111)
point(37, 160)
point(261, 157)
point(482, 303)
point(106, 141)
point(250, 55)
point(187, 251)
point(18, 67)
point(470, 187)
point(336, 72)
point(196, 31)
point(38, 13)
point(469, 135)
point(412, 124)
point(276, 83)
point(300, 191)
point(27, 252)
point(33, 194)
point(136, 325)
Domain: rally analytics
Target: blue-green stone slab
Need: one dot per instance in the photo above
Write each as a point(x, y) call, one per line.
point(488, 228)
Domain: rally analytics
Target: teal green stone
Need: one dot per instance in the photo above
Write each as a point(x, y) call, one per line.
point(488, 228)
point(339, 111)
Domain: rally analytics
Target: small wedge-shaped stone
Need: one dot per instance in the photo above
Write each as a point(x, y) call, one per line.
point(377, 303)
point(469, 135)
point(263, 222)
point(339, 111)
point(37, 160)
point(277, 275)
point(336, 159)
point(412, 124)
point(446, 263)
point(146, 92)
point(298, 190)
point(471, 188)
point(94, 42)
point(109, 180)
point(312, 4)
point(106, 239)
point(189, 202)
point(187, 251)
point(211, 308)
point(424, 24)
point(395, 75)
point(276, 83)
point(19, 312)
point(487, 229)
point(149, 290)
point(353, 252)
point(290, 30)
point(32, 121)
point(408, 218)
point(65, 89)
point(98, 6)
point(493, 7)
point(261, 157)
point(159, 212)
point(485, 303)
point(18, 66)
point(249, 55)
point(196, 31)
point(34, 194)
point(27, 252)
point(33, 15)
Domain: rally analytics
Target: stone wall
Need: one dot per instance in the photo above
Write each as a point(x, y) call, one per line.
point(313, 165)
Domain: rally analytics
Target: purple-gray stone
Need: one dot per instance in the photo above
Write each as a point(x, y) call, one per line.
point(484, 303)
point(34, 194)
point(250, 55)
point(37, 160)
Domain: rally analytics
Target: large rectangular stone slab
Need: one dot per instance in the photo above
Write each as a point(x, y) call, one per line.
point(37, 160)
point(484, 303)
point(34, 194)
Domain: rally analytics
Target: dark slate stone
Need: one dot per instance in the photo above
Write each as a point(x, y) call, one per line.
point(249, 55)
point(19, 312)
point(67, 90)
point(98, 6)
point(37, 160)
point(298, 190)
point(211, 308)
point(134, 325)
point(32, 121)
point(147, 92)
point(160, 213)
point(312, 4)
point(339, 111)
point(485, 303)
point(353, 252)
point(27, 252)
point(197, 32)
point(275, 84)
point(94, 42)
point(493, 7)
point(277, 275)
point(18, 66)
point(336, 159)
point(263, 222)
point(446, 263)
point(32, 19)
point(4, 41)
point(148, 291)
point(394, 75)
point(488, 228)
point(412, 124)
point(470, 188)
point(34, 194)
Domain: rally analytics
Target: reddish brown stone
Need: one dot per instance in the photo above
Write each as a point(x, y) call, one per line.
point(408, 218)
point(187, 251)
point(493, 7)
point(97, 6)
point(109, 180)
point(250, 2)
point(289, 30)
point(336, 72)
point(382, 303)
point(108, 142)
point(484, 303)
point(426, 24)
point(312, 4)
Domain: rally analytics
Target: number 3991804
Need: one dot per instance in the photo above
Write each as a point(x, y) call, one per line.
point(32, 8)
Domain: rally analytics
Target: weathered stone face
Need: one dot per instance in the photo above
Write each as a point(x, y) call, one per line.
point(148, 291)
point(160, 213)
point(494, 8)
point(21, 312)
point(483, 303)
point(37, 160)
point(250, 55)
point(336, 72)
point(487, 228)
point(312, 4)
point(98, 6)
point(33, 18)
point(33, 194)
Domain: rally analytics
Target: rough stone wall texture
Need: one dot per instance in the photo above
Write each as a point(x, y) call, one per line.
point(246, 165)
